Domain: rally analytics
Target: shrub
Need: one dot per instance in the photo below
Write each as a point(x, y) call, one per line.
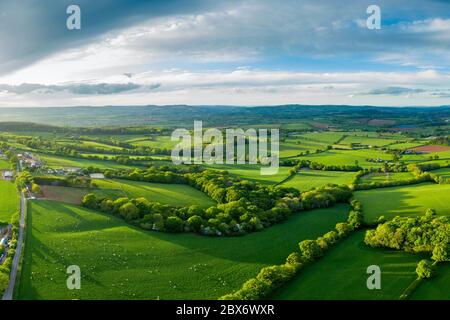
point(174, 224)
point(129, 211)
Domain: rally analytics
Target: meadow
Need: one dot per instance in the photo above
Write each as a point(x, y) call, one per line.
point(410, 200)
point(174, 194)
point(252, 172)
point(54, 161)
point(4, 164)
point(342, 274)
point(349, 157)
point(119, 261)
point(386, 176)
point(308, 179)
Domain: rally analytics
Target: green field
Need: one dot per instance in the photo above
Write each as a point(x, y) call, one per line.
point(444, 172)
point(348, 157)
point(66, 162)
point(405, 200)
point(436, 287)
point(386, 177)
point(4, 164)
point(293, 147)
point(9, 200)
point(323, 137)
point(369, 141)
point(342, 274)
point(174, 194)
point(119, 261)
point(308, 179)
point(252, 172)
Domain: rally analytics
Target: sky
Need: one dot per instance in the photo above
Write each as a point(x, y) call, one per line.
point(224, 52)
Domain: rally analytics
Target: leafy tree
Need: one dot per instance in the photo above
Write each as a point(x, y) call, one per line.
point(195, 223)
point(89, 201)
point(425, 269)
point(343, 229)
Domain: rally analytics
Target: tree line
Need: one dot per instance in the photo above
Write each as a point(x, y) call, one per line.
point(273, 277)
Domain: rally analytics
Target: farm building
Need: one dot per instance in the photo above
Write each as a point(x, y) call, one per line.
point(7, 175)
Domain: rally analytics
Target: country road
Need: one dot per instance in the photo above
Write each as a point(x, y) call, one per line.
point(8, 295)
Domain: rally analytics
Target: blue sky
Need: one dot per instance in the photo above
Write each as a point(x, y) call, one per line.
point(236, 52)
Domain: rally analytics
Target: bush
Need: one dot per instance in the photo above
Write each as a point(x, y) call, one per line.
point(441, 253)
point(174, 224)
point(310, 250)
point(343, 229)
point(129, 211)
point(4, 282)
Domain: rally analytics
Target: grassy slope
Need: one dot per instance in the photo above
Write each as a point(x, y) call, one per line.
point(308, 179)
point(406, 200)
point(341, 273)
point(383, 177)
point(4, 164)
point(118, 261)
point(64, 162)
point(175, 194)
point(9, 201)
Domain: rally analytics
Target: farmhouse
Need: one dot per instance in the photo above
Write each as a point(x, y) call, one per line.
point(7, 175)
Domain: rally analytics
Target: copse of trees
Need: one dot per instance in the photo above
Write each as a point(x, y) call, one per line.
point(242, 206)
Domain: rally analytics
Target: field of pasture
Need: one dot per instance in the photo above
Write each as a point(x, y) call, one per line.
point(9, 200)
point(410, 200)
point(342, 274)
point(309, 179)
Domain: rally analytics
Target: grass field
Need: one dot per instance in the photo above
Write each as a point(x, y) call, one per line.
point(405, 200)
point(444, 172)
point(174, 194)
point(370, 141)
point(119, 261)
point(348, 157)
point(9, 200)
point(323, 137)
point(384, 177)
point(66, 162)
point(293, 147)
point(436, 287)
point(342, 273)
point(308, 179)
point(252, 172)
point(75, 195)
